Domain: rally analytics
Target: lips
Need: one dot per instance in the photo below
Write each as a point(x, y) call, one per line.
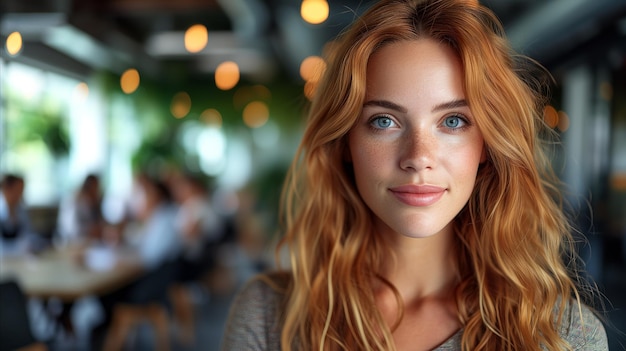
point(418, 195)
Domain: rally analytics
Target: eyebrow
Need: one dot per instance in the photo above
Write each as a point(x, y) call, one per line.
point(393, 106)
point(450, 105)
point(386, 104)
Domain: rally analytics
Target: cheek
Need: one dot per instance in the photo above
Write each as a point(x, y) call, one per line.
point(367, 157)
point(364, 158)
point(468, 161)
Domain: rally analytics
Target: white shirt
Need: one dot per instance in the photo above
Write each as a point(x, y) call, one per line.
point(22, 242)
point(157, 240)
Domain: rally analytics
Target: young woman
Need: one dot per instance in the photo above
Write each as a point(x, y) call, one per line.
point(421, 212)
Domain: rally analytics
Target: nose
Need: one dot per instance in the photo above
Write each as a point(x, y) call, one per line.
point(418, 151)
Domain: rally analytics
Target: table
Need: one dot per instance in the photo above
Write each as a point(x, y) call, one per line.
point(61, 273)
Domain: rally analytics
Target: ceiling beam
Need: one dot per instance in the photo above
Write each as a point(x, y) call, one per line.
point(556, 26)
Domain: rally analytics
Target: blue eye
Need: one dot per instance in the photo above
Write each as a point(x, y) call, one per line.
point(382, 122)
point(454, 122)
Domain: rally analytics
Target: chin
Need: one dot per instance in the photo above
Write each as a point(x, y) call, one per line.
point(421, 231)
point(420, 235)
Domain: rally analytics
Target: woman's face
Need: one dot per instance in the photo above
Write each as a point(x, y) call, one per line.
point(415, 148)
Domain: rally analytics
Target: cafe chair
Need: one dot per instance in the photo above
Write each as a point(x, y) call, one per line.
point(15, 327)
point(146, 302)
point(127, 317)
point(182, 305)
point(190, 273)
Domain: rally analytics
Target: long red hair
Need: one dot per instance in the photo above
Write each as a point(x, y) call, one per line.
point(512, 234)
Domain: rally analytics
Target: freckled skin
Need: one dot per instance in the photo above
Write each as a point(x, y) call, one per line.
point(415, 129)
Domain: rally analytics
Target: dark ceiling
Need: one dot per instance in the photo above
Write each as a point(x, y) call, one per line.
point(266, 37)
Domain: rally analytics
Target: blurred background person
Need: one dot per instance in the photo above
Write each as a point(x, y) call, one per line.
point(80, 217)
point(152, 233)
point(199, 225)
point(201, 231)
point(16, 236)
point(153, 236)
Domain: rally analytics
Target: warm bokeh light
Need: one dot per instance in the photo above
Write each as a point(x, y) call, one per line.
point(242, 96)
point(256, 114)
point(550, 116)
point(618, 181)
point(14, 43)
point(81, 92)
point(196, 38)
point(247, 94)
point(181, 105)
point(227, 75)
point(314, 11)
point(211, 117)
point(262, 92)
point(563, 124)
point(309, 89)
point(606, 91)
point(312, 68)
point(130, 81)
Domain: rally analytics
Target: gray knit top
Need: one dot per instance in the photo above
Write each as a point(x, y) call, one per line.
point(254, 325)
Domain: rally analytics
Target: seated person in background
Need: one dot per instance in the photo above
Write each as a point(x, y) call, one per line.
point(80, 216)
point(153, 234)
point(16, 236)
point(201, 231)
point(200, 227)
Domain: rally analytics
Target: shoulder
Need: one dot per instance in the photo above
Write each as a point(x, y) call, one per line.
point(254, 318)
point(261, 291)
point(582, 329)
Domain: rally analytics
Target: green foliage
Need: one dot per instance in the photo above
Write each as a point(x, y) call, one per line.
point(28, 123)
point(56, 137)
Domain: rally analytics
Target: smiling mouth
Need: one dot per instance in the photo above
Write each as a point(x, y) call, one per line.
point(418, 196)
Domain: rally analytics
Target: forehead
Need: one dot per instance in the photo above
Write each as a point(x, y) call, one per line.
point(422, 55)
point(408, 69)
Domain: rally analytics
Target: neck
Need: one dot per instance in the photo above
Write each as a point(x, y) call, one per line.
point(423, 267)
